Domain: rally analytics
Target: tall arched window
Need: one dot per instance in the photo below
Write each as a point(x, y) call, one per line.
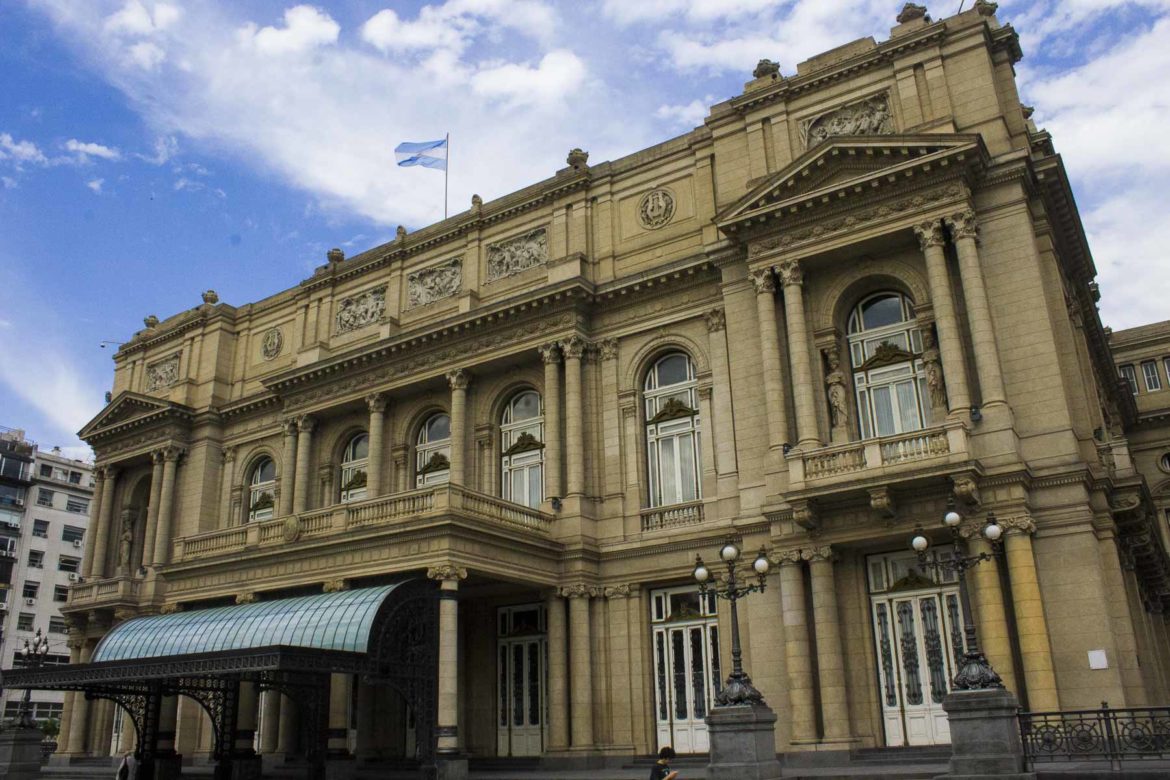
point(672, 430)
point(262, 490)
point(433, 453)
point(354, 468)
point(885, 348)
point(522, 444)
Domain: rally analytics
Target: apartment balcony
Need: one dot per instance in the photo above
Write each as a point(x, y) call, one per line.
point(385, 513)
point(108, 593)
point(905, 457)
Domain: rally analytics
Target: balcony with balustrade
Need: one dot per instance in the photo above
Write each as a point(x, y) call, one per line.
point(905, 457)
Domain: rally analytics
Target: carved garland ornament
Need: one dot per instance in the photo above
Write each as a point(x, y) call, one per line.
point(162, 373)
point(435, 283)
point(358, 311)
point(870, 116)
point(656, 208)
point(272, 343)
point(510, 257)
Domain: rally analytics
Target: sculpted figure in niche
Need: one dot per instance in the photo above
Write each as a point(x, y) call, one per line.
point(932, 364)
point(835, 379)
point(126, 541)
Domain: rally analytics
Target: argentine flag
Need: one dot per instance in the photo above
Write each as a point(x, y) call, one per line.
point(432, 154)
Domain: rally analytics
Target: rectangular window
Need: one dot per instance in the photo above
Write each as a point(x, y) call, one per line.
point(7, 546)
point(16, 469)
point(41, 529)
point(46, 470)
point(72, 533)
point(31, 589)
point(11, 495)
point(25, 621)
point(60, 593)
point(57, 625)
point(72, 565)
point(74, 477)
point(1150, 374)
point(1130, 376)
point(78, 505)
point(44, 497)
point(36, 559)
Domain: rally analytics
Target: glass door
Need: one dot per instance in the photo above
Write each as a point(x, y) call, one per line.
point(521, 669)
point(686, 667)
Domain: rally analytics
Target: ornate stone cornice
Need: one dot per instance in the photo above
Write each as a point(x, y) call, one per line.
point(446, 572)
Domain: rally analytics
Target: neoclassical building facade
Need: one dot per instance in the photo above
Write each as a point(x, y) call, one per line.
point(858, 294)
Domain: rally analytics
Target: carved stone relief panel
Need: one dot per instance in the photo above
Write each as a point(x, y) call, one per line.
point(434, 283)
point(162, 373)
point(656, 208)
point(870, 116)
point(272, 343)
point(358, 311)
point(517, 254)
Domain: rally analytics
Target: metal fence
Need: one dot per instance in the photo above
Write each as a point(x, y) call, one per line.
point(1105, 734)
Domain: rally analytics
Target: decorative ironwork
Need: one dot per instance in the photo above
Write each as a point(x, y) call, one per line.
point(1105, 734)
point(887, 656)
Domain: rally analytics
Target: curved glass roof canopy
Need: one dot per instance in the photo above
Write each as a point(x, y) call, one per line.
point(326, 621)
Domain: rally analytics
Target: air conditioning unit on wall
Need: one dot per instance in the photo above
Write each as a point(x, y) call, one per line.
point(30, 602)
point(76, 542)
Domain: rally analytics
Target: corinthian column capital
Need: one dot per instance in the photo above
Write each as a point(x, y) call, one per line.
point(459, 379)
point(550, 353)
point(377, 402)
point(573, 347)
point(929, 234)
point(962, 224)
point(816, 554)
point(446, 572)
point(763, 280)
point(306, 423)
point(791, 273)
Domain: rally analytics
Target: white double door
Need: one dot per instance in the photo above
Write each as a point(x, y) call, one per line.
point(919, 644)
point(521, 714)
point(686, 672)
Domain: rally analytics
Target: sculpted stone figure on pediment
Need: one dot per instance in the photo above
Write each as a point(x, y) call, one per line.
point(162, 373)
point(434, 283)
point(517, 254)
point(358, 311)
point(864, 117)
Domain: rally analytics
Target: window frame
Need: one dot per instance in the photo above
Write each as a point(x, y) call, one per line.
point(258, 489)
point(354, 474)
point(891, 377)
point(1150, 371)
point(676, 429)
point(1127, 372)
point(426, 472)
point(44, 497)
point(40, 528)
point(519, 457)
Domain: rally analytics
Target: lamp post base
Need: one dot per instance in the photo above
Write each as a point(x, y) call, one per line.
point(985, 738)
point(20, 754)
point(743, 743)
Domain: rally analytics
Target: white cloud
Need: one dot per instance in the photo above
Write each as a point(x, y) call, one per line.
point(686, 115)
point(555, 78)
point(136, 19)
point(305, 28)
point(387, 32)
point(95, 185)
point(20, 151)
point(146, 55)
point(452, 25)
point(8, 182)
point(55, 389)
point(85, 150)
point(165, 147)
point(626, 12)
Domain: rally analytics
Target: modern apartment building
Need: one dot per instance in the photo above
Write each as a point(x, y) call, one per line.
point(44, 513)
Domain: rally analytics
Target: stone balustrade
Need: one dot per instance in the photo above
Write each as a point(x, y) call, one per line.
point(105, 592)
point(673, 516)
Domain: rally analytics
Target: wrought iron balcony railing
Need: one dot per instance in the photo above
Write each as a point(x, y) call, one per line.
point(1106, 735)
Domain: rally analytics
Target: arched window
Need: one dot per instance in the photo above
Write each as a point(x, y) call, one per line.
point(433, 454)
point(672, 430)
point(262, 490)
point(885, 349)
point(354, 468)
point(522, 445)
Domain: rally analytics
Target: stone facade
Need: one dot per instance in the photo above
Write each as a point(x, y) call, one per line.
point(810, 343)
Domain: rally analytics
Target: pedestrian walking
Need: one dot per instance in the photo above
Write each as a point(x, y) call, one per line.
point(661, 769)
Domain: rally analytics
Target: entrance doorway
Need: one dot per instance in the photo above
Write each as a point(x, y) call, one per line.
point(918, 633)
point(686, 666)
point(522, 672)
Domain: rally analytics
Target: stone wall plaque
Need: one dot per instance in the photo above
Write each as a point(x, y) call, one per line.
point(272, 343)
point(358, 311)
point(435, 283)
point(517, 254)
point(870, 116)
point(162, 373)
point(656, 208)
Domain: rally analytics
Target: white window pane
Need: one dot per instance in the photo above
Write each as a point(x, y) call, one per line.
point(925, 399)
point(672, 370)
point(666, 473)
point(883, 411)
point(863, 414)
point(535, 486)
point(687, 472)
point(518, 487)
point(908, 406)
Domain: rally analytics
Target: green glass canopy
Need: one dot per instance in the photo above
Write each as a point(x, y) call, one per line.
point(326, 621)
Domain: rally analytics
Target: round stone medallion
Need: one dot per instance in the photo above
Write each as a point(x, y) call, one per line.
point(292, 529)
point(272, 344)
point(656, 208)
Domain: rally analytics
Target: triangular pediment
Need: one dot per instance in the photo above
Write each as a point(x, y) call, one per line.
point(847, 166)
point(124, 408)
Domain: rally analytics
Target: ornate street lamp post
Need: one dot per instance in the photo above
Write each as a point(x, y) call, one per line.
point(33, 655)
point(975, 673)
point(739, 688)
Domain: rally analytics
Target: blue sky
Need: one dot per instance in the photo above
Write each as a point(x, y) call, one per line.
point(152, 149)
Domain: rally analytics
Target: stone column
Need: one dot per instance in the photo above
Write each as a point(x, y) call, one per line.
point(830, 656)
point(156, 478)
point(97, 509)
point(775, 404)
point(286, 743)
point(620, 655)
point(950, 344)
point(1035, 649)
point(75, 740)
point(551, 355)
point(105, 521)
point(987, 594)
point(305, 426)
point(288, 467)
point(270, 722)
point(339, 699)
point(963, 230)
point(558, 700)
point(459, 380)
point(377, 405)
point(792, 277)
point(447, 731)
point(580, 665)
point(796, 647)
point(166, 506)
point(168, 719)
point(365, 746)
point(573, 348)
